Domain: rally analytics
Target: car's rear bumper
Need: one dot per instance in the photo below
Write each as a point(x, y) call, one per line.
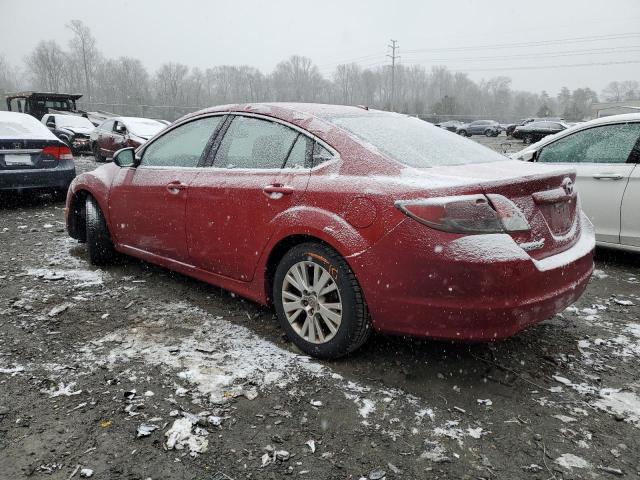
point(57, 178)
point(426, 290)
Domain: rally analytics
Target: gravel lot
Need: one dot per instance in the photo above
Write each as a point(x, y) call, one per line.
point(135, 372)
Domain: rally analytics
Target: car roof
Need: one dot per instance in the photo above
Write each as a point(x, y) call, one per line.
point(320, 110)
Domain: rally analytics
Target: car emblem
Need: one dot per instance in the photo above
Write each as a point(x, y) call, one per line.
point(568, 186)
point(17, 145)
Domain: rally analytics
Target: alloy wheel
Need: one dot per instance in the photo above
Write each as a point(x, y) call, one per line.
point(311, 302)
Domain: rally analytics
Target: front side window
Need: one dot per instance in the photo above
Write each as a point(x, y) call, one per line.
point(182, 146)
point(605, 144)
point(255, 143)
point(119, 128)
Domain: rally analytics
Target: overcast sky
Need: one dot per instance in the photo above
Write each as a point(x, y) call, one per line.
point(261, 33)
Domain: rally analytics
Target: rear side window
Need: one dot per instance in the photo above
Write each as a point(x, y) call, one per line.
point(182, 146)
point(320, 155)
point(255, 143)
point(605, 144)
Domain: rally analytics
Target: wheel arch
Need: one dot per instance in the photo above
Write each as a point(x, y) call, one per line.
point(76, 215)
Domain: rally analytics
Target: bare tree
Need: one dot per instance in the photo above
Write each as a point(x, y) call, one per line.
point(85, 53)
point(45, 64)
point(8, 76)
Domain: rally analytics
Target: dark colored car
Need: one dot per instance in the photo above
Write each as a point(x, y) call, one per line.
point(535, 131)
point(73, 130)
point(346, 220)
point(37, 104)
point(488, 128)
point(511, 127)
point(451, 125)
point(120, 132)
point(31, 157)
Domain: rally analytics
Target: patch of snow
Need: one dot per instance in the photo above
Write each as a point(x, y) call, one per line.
point(571, 461)
point(179, 436)
point(62, 390)
point(599, 274)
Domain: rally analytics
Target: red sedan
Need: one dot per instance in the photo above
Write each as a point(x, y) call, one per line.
point(346, 220)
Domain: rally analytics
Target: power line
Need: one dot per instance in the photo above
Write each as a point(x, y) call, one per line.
point(592, 38)
point(607, 50)
point(543, 67)
point(393, 56)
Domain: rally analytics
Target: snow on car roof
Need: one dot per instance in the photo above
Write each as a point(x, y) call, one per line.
point(22, 126)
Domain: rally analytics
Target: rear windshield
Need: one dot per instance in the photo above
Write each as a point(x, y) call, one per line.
point(414, 142)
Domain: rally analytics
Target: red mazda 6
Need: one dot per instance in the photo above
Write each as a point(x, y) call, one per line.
point(346, 220)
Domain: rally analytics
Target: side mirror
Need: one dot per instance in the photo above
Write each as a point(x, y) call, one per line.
point(528, 156)
point(125, 157)
point(51, 124)
point(121, 130)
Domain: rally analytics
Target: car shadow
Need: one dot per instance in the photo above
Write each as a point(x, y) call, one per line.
point(15, 200)
point(617, 257)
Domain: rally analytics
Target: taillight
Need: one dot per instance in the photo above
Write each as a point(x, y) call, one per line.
point(59, 153)
point(467, 213)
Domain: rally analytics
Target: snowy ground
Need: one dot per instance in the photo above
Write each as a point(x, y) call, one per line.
point(135, 372)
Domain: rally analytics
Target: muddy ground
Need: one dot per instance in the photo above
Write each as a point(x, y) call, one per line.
point(135, 372)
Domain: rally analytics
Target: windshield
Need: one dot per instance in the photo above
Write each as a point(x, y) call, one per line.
point(143, 127)
point(73, 121)
point(414, 142)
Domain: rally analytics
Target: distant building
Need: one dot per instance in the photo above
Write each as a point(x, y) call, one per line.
point(604, 109)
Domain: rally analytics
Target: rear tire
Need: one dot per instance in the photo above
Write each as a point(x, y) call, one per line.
point(99, 244)
point(463, 133)
point(527, 139)
point(325, 271)
point(96, 153)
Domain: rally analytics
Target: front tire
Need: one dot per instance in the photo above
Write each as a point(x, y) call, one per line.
point(99, 244)
point(488, 133)
point(96, 153)
point(528, 139)
point(319, 302)
point(463, 133)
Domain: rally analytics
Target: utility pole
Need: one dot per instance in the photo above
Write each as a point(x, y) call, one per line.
point(393, 57)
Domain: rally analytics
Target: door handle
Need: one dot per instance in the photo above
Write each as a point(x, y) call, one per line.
point(175, 187)
point(278, 188)
point(607, 176)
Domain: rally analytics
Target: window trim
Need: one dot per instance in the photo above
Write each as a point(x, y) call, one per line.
point(209, 161)
point(139, 153)
point(633, 158)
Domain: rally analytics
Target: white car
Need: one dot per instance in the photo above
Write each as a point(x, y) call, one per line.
point(606, 156)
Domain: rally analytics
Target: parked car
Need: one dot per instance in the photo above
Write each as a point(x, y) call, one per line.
point(451, 125)
point(120, 132)
point(535, 131)
point(73, 130)
point(606, 154)
point(511, 127)
point(346, 220)
point(31, 157)
point(488, 128)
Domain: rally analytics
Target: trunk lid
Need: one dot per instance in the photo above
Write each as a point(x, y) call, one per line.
point(544, 193)
point(23, 154)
